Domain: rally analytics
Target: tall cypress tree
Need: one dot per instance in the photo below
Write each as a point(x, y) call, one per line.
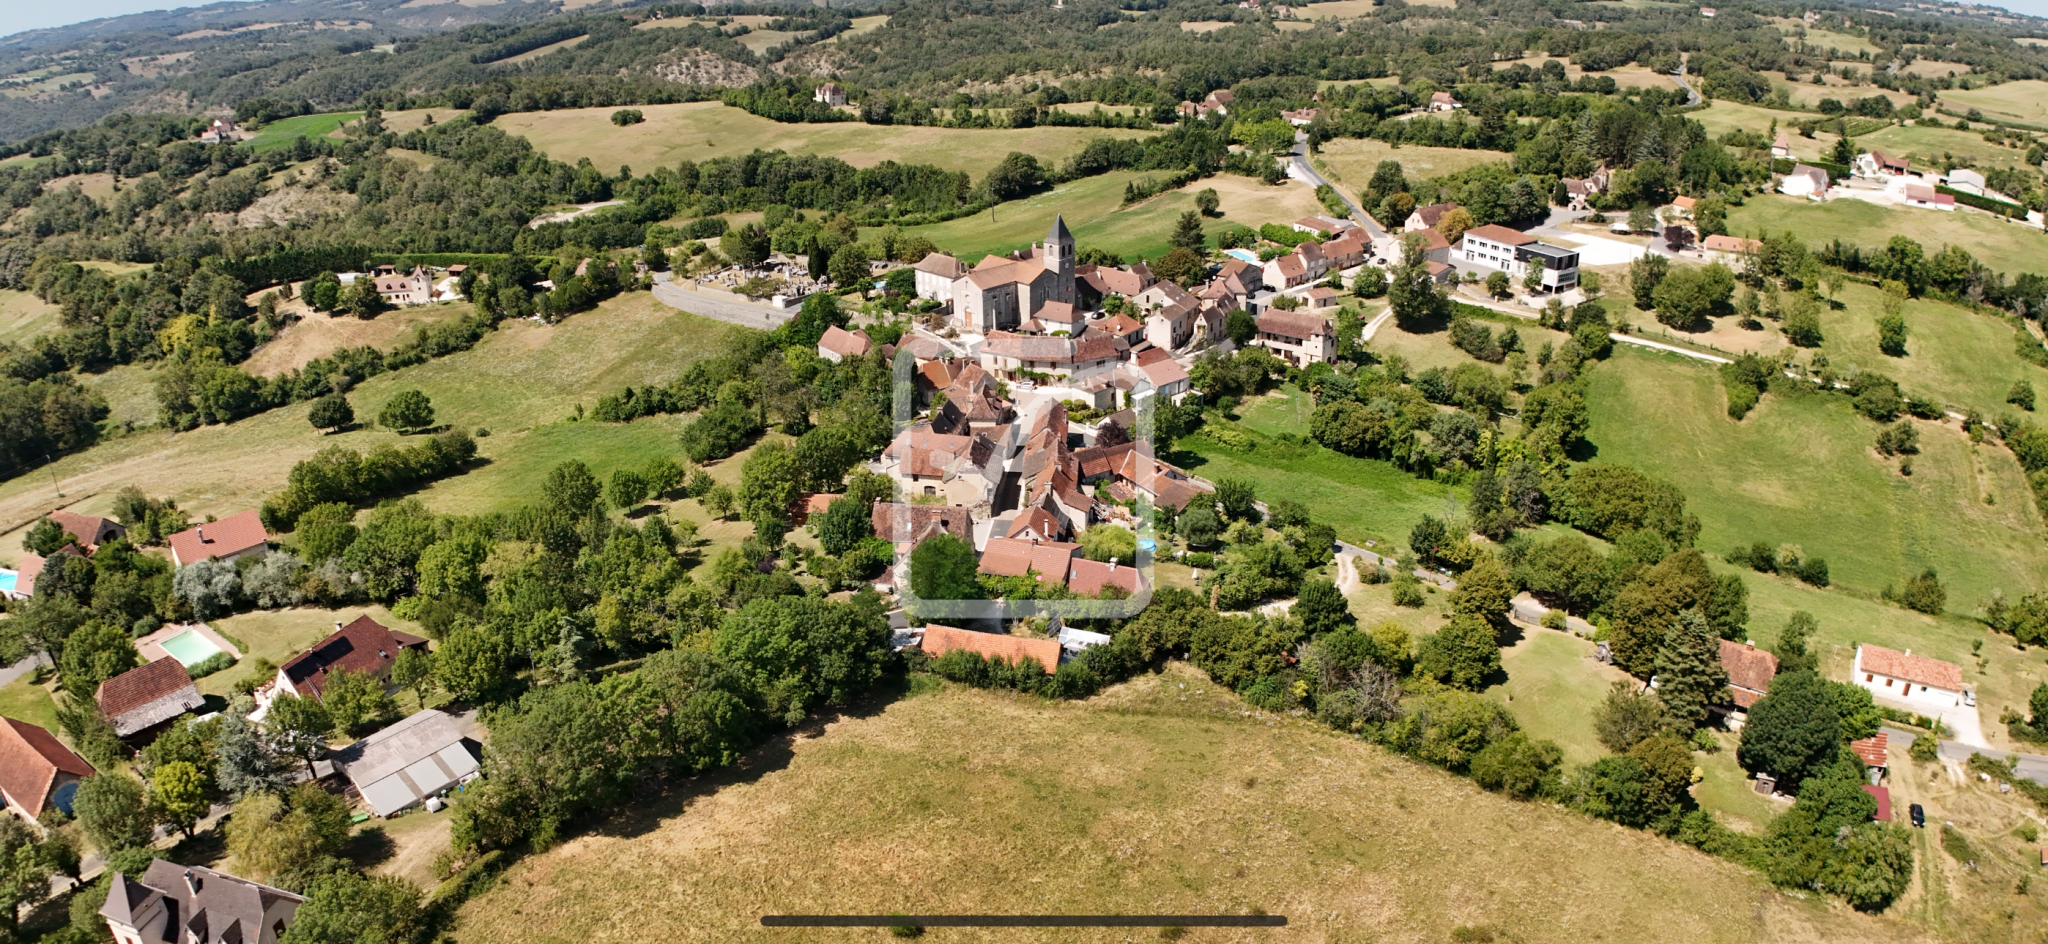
point(1690, 676)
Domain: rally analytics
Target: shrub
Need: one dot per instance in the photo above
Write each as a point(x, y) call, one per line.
point(211, 664)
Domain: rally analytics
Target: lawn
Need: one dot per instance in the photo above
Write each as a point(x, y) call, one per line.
point(702, 130)
point(1802, 470)
point(23, 700)
point(2008, 247)
point(1963, 358)
point(1159, 797)
point(1094, 211)
point(1351, 161)
point(278, 635)
point(523, 384)
point(1725, 790)
point(130, 390)
point(24, 316)
point(1553, 686)
point(283, 132)
point(1364, 499)
point(1926, 145)
point(2025, 101)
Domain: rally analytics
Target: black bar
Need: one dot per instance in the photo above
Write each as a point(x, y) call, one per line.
point(1024, 921)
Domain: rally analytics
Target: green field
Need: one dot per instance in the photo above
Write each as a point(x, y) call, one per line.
point(1926, 146)
point(2008, 247)
point(2025, 102)
point(1963, 358)
point(23, 700)
point(283, 132)
point(523, 383)
point(1351, 161)
point(278, 635)
point(1094, 210)
point(1802, 470)
point(1158, 797)
point(24, 316)
point(703, 130)
point(1553, 686)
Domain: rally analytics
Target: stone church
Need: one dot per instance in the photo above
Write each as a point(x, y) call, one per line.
point(1003, 291)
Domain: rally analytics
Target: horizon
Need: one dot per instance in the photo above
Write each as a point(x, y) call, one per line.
point(86, 11)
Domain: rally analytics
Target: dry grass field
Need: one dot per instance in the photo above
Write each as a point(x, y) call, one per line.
point(1162, 796)
point(317, 335)
point(1204, 26)
point(2016, 101)
point(702, 130)
point(24, 316)
point(1341, 9)
point(532, 54)
point(1935, 68)
point(1351, 161)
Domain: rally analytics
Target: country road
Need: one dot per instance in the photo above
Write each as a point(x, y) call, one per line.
point(1303, 171)
point(674, 295)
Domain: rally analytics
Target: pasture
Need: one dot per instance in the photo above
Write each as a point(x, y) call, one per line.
point(1094, 211)
point(1927, 145)
point(1163, 795)
point(317, 334)
point(1822, 39)
point(1553, 686)
point(699, 131)
point(532, 54)
point(1802, 470)
point(1351, 161)
point(283, 132)
point(24, 316)
point(2007, 247)
point(2025, 101)
point(522, 383)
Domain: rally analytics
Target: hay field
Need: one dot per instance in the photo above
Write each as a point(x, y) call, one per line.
point(522, 383)
point(1828, 39)
point(1094, 211)
point(400, 122)
point(318, 334)
point(1630, 76)
point(96, 186)
point(1205, 26)
point(532, 54)
point(2025, 101)
point(1341, 9)
point(1935, 68)
point(1925, 145)
point(24, 316)
point(283, 132)
point(1162, 796)
point(1807, 93)
point(1351, 161)
point(702, 130)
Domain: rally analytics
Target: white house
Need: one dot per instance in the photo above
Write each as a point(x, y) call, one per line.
point(1904, 679)
point(1927, 199)
point(1804, 181)
point(830, 93)
point(1966, 180)
point(1498, 247)
point(1298, 338)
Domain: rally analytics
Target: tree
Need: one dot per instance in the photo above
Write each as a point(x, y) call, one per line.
point(1370, 282)
point(768, 483)
point(113, 812)
point(1497, 284)
point(178, 793)
point(45, 537)
point(1181, 266)
point(325, 531)
point(1923, 593)
point(407, 411)
point(323, 292)
point(348, 907)
point(1628, 716)
point(1710, 214)
point(1643, 276)
point(93, 654)
point(1484, 592)
point(1428, 539)
point(627, 489)
point(1465, 653)
point(1415, 298)
point(1891, 335)
point(243, 761)
point(1792, 652)
point(1110, 543)
point(1321, 607)
point(1690, 677)
point(1199, 526)
point(846, 523)
point(1019, 175)
point(806, 652)
point(1207, 201)
point(1454, 223)
point(1793, 731)
point(210, 587)
point(452, 569)
point(330, 412)
point(472, 663)
point(745, 245)
point(1687, 296)
point(1641, 219)
point(1187, 233)
point(1518, 766)
point(718, 500)
point(1238, 499)
point(627, 116)
point(275, 835)
point(2021, 395)
point(1667, 768)
point(413, 670)
point(27, 864)
point(1240, 326)
point(354, 700)
point(299, 727)
point(944, 568)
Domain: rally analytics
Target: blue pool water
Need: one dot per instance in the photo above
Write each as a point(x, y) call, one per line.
point(7, 580)
point(1245, 254)
point(1146, 544)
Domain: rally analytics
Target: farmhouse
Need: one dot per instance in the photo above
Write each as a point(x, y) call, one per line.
point(1323, 226)
point(1903, 678)
point(195, 905)
point(1498, 247)
point(88, 532)
point(1750, 671)
point(838, 344)
point(1876, 164)
point(401, 766)
point(220, 131)
point(1804, 181)
point(829, 93)
point(363, 647)
point(1426, 217)
point(230, 539)
point(411, 288)
point(1731, 246)
point(1442, 101)
point(1299, 339)
point(37, 772)
point(939, 640)
point(142, 699)
point(1301, 118)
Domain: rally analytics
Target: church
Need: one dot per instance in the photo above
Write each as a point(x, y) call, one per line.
point(1002, 292)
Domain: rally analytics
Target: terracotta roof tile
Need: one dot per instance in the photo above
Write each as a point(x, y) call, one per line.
point(1293, 324)
point(30, 760)
point(1919, 670)
point(846, 343)
point(1750, 671)
point(939, 640)
point(363, 646)
point(1871, 750)
point(1010, 557)
point(1501, 234)
point(1087, 578)
point(224, 538)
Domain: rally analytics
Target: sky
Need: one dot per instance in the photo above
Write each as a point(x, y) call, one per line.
point(27, 14)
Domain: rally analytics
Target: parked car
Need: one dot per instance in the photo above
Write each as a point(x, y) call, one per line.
point(1919, 816)
point(1969, 698)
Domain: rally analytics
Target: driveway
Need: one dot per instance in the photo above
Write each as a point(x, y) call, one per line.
point(2031, 766)
point(24, 667)
point(1299, 168)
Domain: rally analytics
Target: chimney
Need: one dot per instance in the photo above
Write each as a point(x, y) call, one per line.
point(192, 881)
point(1112, 565)
point(201, 531)
point(337, 626)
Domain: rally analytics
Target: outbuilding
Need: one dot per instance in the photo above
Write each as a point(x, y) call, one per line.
point(401, 766)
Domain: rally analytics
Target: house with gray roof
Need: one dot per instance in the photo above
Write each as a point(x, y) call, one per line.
point(174, 904)
point(401, 766)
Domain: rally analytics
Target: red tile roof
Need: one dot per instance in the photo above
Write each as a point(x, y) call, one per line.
point(1871, 750)
point(1919, 670)
point(898, 522)
point(1434, 213)
point(1087, 578)
point(1037, 521)
point(1883, 796)
point(30, 760)
point(845, 343)
point(224, 538)
point(141, 697)
point(1010, 557)
point(1431, 239)
point(87, 529)
point(1750, 671)
point(939, 640)
point(363, 646)
point(1289, 324)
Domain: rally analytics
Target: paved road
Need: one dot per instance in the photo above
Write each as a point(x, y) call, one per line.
point(1679, 77)
point(2032, 766)
point(24, 667)
point(698, 303)
point(1306, 172)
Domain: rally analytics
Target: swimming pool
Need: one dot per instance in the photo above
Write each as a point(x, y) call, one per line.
point(190, 648)
point(1245, 254)
point(8, 579)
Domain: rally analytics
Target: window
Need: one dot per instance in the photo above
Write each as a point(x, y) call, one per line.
point(1866, 677)
point(1888, 684)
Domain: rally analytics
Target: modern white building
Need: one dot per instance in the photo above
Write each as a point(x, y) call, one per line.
point(1498, 247)
point(1906, 680)
point(1804, 181)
